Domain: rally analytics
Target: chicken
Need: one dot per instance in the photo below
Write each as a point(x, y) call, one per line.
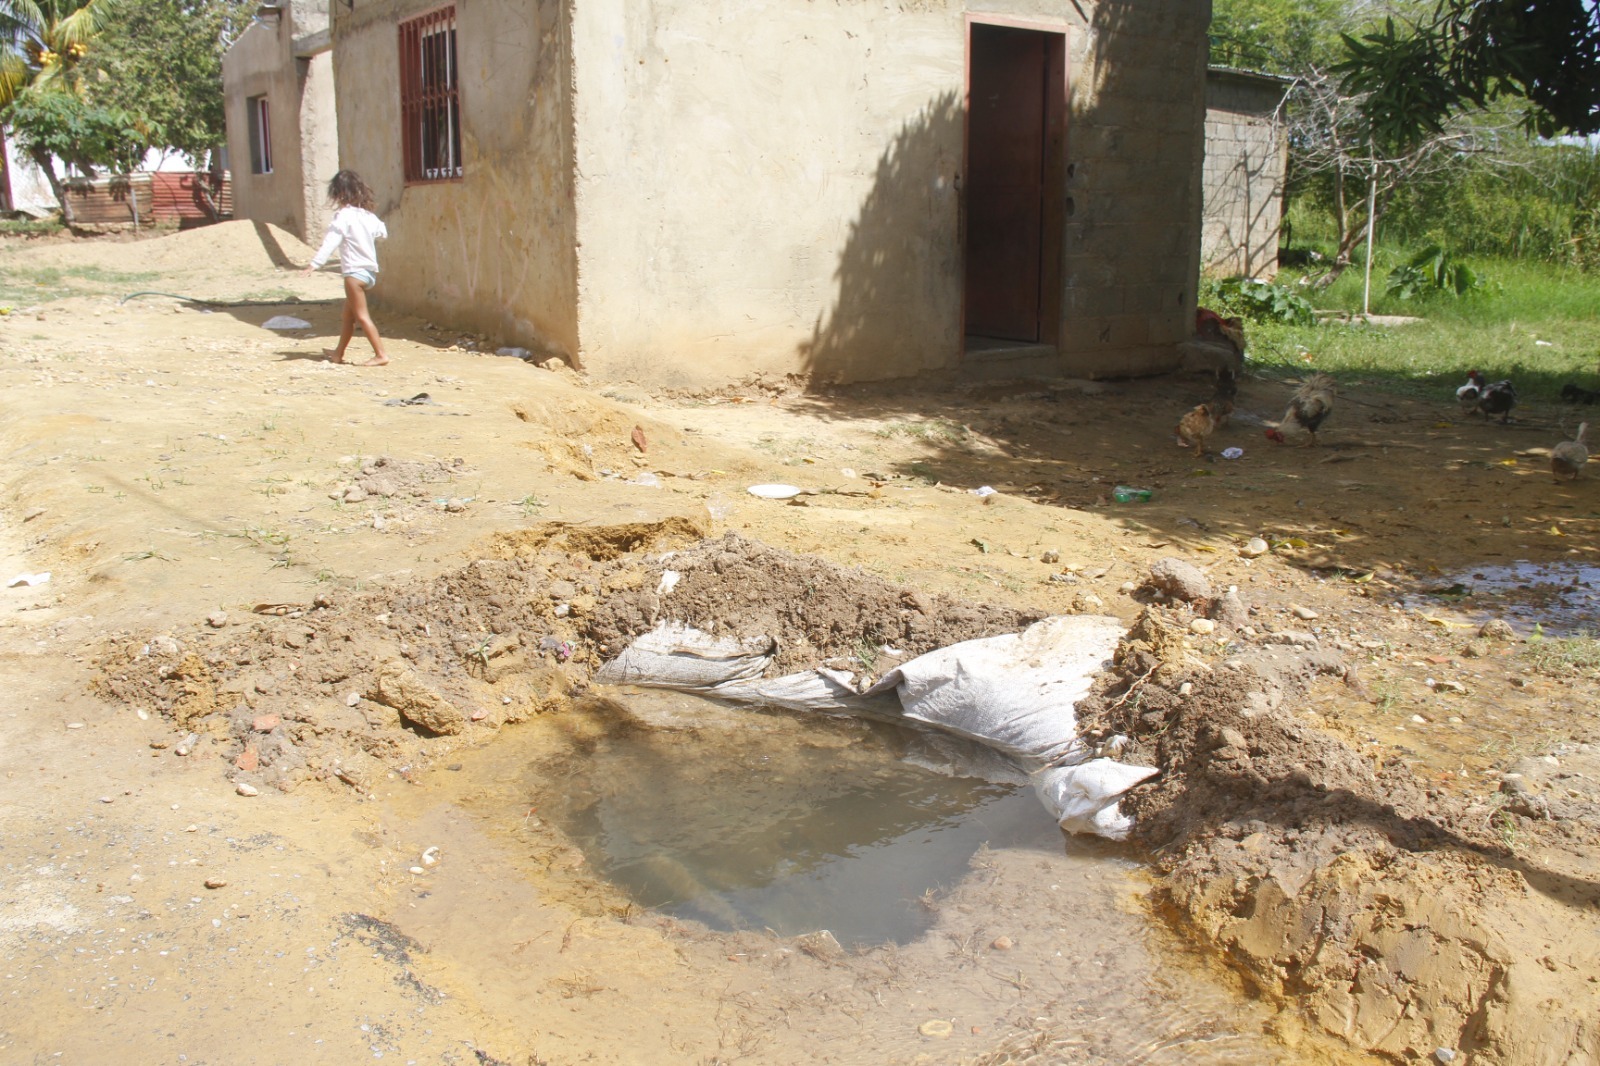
point(1195, 426)
point(1204, 419)
point(1497, 399)
point(1310, 405)
point(1568, 458)
point(1571, 393)
point(1467, 395)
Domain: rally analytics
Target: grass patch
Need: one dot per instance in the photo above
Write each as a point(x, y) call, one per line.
point(1533, 323)
point(930, 429)
point(32, 285)
point(1575, 656)
point(31, 227)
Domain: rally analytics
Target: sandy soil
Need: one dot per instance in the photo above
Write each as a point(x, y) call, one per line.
point(282, 605)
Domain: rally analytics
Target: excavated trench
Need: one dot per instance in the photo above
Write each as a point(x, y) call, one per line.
point(1334, 887)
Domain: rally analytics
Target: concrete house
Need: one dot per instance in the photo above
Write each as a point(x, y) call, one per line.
point(283, 145)
point(694, 191)
point(1247, 155)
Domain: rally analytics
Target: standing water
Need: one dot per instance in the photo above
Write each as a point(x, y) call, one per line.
point(956, 899)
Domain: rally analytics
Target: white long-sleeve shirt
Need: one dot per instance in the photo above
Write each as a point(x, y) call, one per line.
point(353, 233)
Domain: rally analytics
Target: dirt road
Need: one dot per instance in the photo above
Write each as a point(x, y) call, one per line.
point(1390, 843)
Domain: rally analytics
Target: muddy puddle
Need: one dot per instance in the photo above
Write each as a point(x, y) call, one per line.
point(736, 833)
point(1563, 598)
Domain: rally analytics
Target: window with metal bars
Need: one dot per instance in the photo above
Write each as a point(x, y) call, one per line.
point(430, 100)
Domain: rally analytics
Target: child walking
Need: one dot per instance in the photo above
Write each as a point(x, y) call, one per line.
point(354, 233)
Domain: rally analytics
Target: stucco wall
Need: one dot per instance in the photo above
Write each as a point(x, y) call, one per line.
point(496, 249)
point(1246, 156)
point(774, 185)
point(301, 121)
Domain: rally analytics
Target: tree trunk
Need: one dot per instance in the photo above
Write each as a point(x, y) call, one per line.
point(42, 159)
point(209, 185)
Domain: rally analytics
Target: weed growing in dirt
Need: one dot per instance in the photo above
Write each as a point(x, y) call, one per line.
point(930, 430)
point(530, 505)
point(20, 284)
point(1565, 656)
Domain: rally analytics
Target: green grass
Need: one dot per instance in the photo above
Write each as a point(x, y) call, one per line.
point(30, 227)
point(1496, 330)
point(1565, 656)
point(22, 285)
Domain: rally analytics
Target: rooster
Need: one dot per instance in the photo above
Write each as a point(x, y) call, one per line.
point(1568, 458)
point(1467, 395)
point(1311, 403)
point(1497, 399)
point(1571, 393)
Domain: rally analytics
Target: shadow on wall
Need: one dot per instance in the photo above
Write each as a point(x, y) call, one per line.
point(1127, 281)
point(898, 252)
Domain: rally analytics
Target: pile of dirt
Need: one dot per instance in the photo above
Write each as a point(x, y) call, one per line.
point(241, 248)
point(395, 679)
point(1390, 914)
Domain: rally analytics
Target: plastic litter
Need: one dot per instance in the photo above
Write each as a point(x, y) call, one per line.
point(984, 490)
point(515, 353)
point(775, 492)
point(285, 323)
point(1129, 494)
point(28, 580)
point(1233, 453)
point(1015, 693)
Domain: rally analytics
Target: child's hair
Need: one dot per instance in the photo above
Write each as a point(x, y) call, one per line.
point(348, 190)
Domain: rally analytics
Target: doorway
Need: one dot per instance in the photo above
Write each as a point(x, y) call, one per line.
point(1016, 137)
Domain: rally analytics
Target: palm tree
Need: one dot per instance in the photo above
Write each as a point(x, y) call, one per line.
point(42, 47)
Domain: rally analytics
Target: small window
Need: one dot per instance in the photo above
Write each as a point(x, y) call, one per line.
point(430, 102)
point(260, 135)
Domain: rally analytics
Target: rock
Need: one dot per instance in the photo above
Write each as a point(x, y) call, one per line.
point(216, 882)
point(217, 619)
point(1444, 1054)
point(356, 770)
point(399, 687)
point(1230, 610)
point(1293, 637)
point(1051, 556)
point(562, 590)
point(1452, 687)
point(1001, 943)
point(455, 505)
point(1497, 629)
point(820, 945)
point(1474, 649)
point(248, 760)
point(352, 699)
point(1179, 580)
point(1305, 614)
point(1203, 626)
point(355, 494)
point(265, 723)
point(1254, 548)
point(1232, 738)
point(245, 788)
point(1128, 586)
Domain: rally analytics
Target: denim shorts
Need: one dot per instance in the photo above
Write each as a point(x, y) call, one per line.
point(368, 278)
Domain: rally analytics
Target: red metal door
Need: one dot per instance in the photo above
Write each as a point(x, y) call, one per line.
point(1006, 133)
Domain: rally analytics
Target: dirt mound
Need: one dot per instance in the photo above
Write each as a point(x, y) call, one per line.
point(1394, 916)
point(241, 247)
point(395, 679)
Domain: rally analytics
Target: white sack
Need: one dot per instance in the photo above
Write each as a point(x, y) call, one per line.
point(676, 655)
point(1016, 691)
point(1084, 797)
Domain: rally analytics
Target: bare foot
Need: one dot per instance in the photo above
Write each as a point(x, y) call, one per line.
point(377, 360)
point(332, 356)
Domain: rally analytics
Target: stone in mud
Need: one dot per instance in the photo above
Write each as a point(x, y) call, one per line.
point(820, 945)
point(1497, 629)
point(1179, 580)
point(397, 686)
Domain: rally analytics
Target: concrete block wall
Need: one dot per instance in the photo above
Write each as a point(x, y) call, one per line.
point(1246, 157)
